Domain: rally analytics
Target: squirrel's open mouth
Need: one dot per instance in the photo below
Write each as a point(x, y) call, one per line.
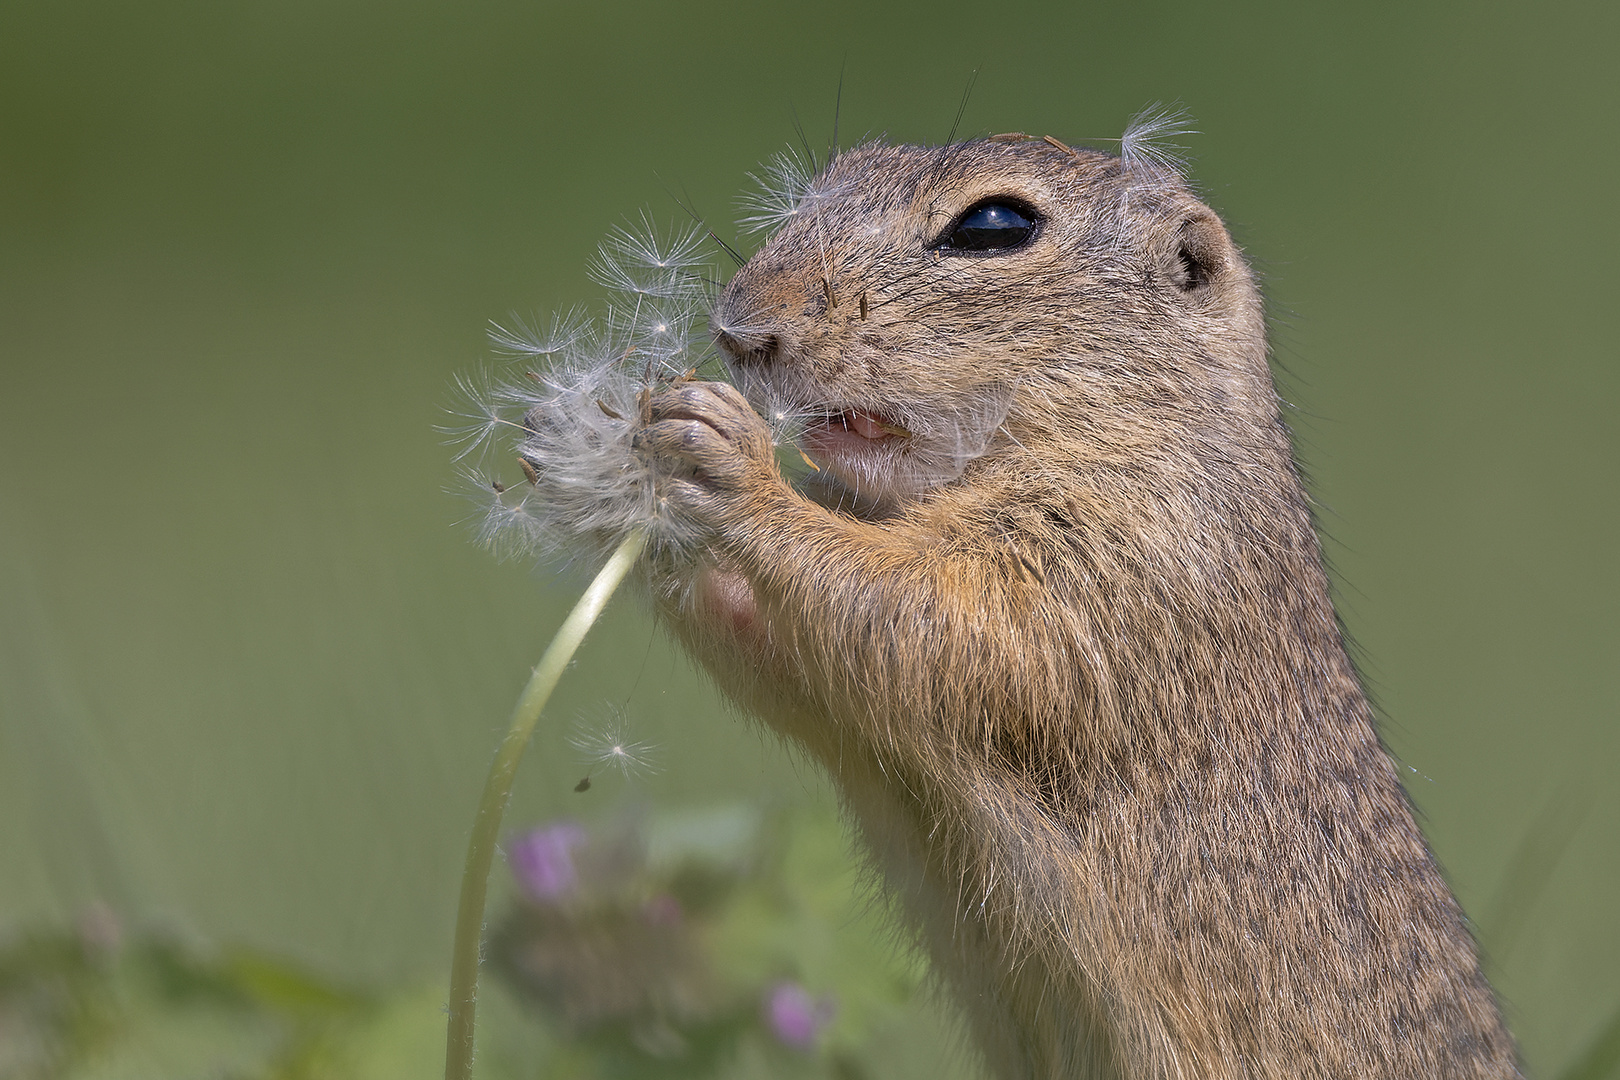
point(852, 429)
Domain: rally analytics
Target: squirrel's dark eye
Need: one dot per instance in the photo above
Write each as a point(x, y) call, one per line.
point(991, 226)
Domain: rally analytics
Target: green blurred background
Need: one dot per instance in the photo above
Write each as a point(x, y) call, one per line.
point(251, 670)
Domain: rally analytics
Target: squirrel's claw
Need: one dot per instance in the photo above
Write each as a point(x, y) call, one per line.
point(707, 438)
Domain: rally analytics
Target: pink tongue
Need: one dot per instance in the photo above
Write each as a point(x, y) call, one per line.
point(865, 425)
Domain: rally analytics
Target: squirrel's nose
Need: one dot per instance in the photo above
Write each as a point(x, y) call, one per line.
point(746, 347)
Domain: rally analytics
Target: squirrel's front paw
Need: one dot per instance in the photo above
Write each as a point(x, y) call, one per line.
point(709, 446)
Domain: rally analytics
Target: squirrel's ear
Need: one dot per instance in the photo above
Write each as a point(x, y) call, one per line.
point(1198, 253)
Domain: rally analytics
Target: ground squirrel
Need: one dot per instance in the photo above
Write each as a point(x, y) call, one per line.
point(1054, 618)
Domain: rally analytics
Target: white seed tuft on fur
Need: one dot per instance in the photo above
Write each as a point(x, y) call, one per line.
point(787, 188)
point(1148, 144)
point(782, 185)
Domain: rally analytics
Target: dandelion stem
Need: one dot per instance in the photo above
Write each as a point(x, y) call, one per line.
point(458, 1057)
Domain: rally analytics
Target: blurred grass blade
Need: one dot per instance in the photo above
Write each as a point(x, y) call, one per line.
point(1528, 873)
point(1601, 1058)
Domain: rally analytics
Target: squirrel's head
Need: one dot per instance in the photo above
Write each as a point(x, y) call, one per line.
point(925, 308)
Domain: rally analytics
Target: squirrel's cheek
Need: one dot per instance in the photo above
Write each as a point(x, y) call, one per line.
point(724, 598)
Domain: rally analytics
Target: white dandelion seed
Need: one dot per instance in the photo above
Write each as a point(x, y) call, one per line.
point(658, 335)
point(478, 419)
point(507, 526)
point(641, 261)
point(1147, 144)
point(781, 186)
point(526, 339)
point(785, 412)
point(606, 744)
point(787, 188)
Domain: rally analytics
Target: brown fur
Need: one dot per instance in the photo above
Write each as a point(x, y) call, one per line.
point(1070, 656)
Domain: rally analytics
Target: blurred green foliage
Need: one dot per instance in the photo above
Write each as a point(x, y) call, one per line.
point(659, 961)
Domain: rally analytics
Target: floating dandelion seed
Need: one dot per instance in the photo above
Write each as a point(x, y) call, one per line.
point(608, 745)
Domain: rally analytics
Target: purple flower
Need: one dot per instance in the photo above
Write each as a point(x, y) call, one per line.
point(543, 860)
point(662, 910)
point(796, 1018)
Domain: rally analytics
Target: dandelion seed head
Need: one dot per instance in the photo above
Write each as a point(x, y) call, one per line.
point(568, 417)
